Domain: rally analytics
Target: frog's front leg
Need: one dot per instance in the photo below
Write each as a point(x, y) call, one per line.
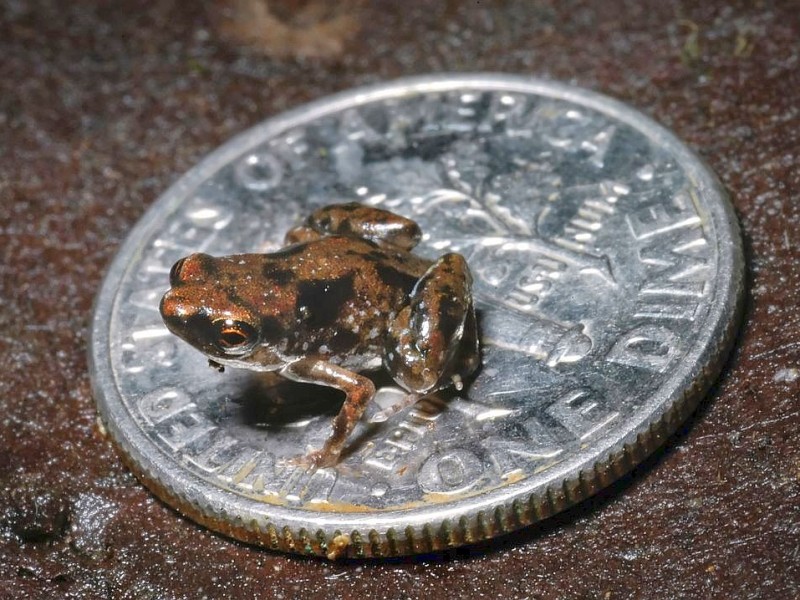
point(357, 220)
point(359, 391)
point(433, 342)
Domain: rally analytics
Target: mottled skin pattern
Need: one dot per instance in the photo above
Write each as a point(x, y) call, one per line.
point(345, 295)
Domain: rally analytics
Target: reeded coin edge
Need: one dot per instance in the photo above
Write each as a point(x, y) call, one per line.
point(464, 524)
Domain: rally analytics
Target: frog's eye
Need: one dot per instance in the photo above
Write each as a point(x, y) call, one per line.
point(235, 337)
point(175, 271)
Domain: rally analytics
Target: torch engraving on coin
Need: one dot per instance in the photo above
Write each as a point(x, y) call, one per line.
point(607, 277)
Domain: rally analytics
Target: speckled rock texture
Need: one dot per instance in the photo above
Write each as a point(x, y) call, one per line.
point(104, 104)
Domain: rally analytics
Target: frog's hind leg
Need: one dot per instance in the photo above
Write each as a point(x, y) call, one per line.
point(359, 392)
point(357, 220)
point(301, 234)
point(433, 342)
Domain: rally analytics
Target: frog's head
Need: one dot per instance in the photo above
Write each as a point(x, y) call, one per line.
point(201, 308)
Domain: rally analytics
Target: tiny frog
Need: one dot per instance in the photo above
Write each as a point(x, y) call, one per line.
point(345, 295)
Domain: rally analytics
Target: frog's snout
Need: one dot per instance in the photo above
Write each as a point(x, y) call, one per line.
point(167, 305)
point(173, 308)
point(176, 314)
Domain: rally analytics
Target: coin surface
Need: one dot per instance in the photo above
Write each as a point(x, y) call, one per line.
point(608, 279)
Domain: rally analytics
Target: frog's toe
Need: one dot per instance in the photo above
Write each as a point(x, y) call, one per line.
point(313, 461)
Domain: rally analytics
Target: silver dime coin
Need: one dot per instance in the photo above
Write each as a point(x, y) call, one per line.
point(608, 280)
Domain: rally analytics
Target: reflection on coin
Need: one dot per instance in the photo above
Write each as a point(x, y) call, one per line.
point(608, 278)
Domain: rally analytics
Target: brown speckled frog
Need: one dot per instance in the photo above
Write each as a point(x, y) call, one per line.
point(345, 295)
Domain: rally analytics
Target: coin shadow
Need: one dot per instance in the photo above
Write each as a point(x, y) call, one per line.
point(269, 401)
point(748, 300)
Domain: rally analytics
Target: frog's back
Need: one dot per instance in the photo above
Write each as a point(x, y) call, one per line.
point(338, 294)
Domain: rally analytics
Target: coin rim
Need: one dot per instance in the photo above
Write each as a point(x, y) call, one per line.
point(466, 520)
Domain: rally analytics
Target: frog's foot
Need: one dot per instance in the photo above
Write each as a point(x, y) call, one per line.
point(313, 461)
point(300, 234)
point(405, 402)
point(433, 342)
point(458, 383)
